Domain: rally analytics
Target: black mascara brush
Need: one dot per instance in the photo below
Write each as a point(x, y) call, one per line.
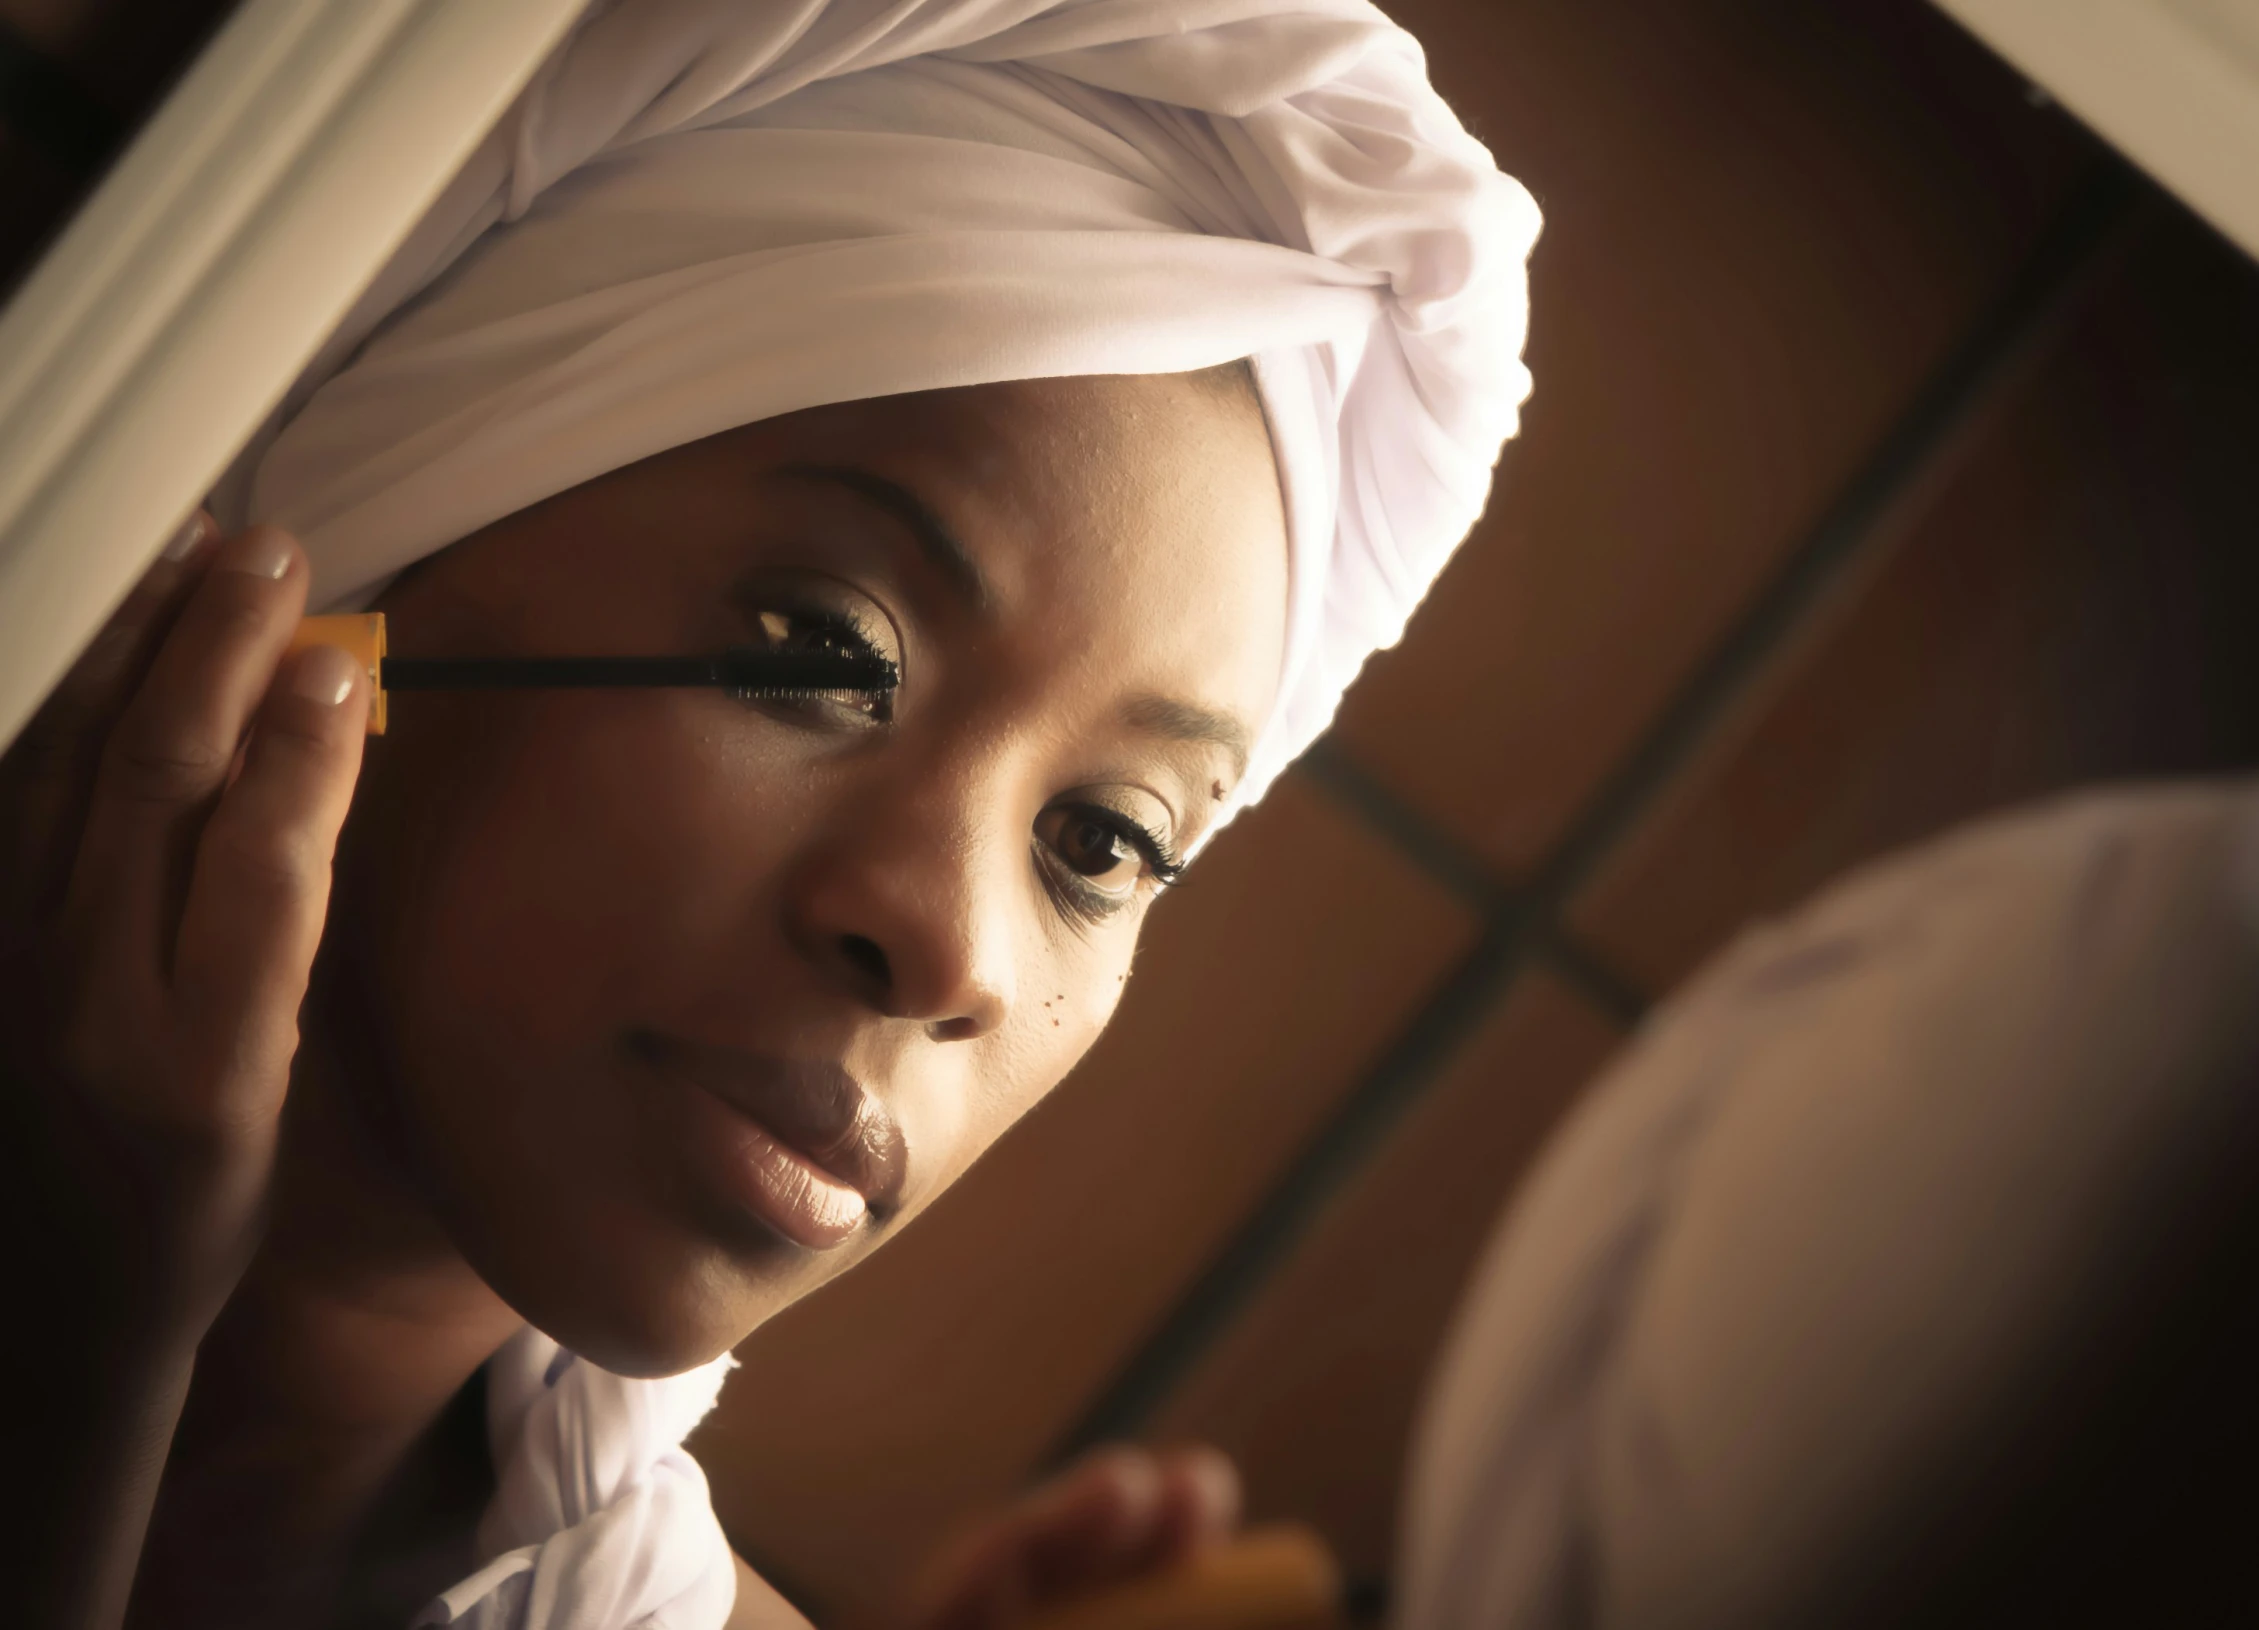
point(751, 672)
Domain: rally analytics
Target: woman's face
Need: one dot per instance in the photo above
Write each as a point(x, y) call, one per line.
point(679, 1003)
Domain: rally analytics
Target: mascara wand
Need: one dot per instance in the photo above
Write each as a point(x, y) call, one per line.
point(752, 672)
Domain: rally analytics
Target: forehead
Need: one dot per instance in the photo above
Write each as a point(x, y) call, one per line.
point(1091, 466)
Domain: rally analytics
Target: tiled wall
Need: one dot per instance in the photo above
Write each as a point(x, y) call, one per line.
point(1891, 460)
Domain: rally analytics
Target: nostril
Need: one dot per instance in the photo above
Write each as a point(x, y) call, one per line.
point(867, 958)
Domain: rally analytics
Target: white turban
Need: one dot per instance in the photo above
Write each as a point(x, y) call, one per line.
point(704, 213)
point(600, 1518)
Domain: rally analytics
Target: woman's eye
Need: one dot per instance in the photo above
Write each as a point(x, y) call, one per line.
point(802, 631)
point(1091, 846)
point(822, 627)
point(1095, 858)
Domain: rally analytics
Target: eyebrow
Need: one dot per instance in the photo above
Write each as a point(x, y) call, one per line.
point(935, 541)
point(1183, 721)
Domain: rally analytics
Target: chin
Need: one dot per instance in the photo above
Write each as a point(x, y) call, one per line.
point(646, 1337)
point(641, 1356)
point(649, 1307)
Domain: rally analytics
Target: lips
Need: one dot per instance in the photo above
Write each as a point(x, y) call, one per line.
point(799, 1142)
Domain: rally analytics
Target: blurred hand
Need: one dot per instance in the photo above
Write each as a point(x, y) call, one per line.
point(1119, 1513)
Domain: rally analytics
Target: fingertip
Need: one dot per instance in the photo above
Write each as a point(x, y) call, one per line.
point(154, 601)
point(1124, 1480)
point(197, 531)
point(311, 727)
point(323, 675)
point(1201, 1502)
point(1213, 1483)
point(264, 551)
point(1136, 1512)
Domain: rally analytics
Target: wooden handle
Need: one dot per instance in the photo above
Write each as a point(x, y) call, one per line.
point(360, 636)
point(1276, 1578)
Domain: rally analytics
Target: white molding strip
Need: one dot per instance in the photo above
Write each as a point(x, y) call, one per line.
point(2173, 84)
point(207, 269)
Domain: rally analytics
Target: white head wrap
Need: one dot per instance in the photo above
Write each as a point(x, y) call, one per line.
point(704, 213)
point(600, 1518)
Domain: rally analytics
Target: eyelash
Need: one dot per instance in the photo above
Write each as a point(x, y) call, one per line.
point(837, 624)
point(838, 629)
point(1077, 896)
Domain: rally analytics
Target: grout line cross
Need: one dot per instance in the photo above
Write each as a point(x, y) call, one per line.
point(1522, 926)
point(1434, 851)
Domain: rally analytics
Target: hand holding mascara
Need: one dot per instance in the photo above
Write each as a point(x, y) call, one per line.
point(751, 671)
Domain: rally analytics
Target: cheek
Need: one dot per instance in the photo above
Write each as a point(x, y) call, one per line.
point(580, 862)
point(610, 856)
point(542, 880)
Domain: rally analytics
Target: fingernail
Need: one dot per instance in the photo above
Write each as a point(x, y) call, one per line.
point(324, 675)
point(1138, 1481)
point(1216, 1481)
point(187, 538)
point(106, 657)
point(260, 552)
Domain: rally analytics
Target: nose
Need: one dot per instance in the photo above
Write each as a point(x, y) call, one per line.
point(892, 908)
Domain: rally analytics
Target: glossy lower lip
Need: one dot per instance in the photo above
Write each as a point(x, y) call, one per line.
point(762, 1174)
point(798, 1143)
